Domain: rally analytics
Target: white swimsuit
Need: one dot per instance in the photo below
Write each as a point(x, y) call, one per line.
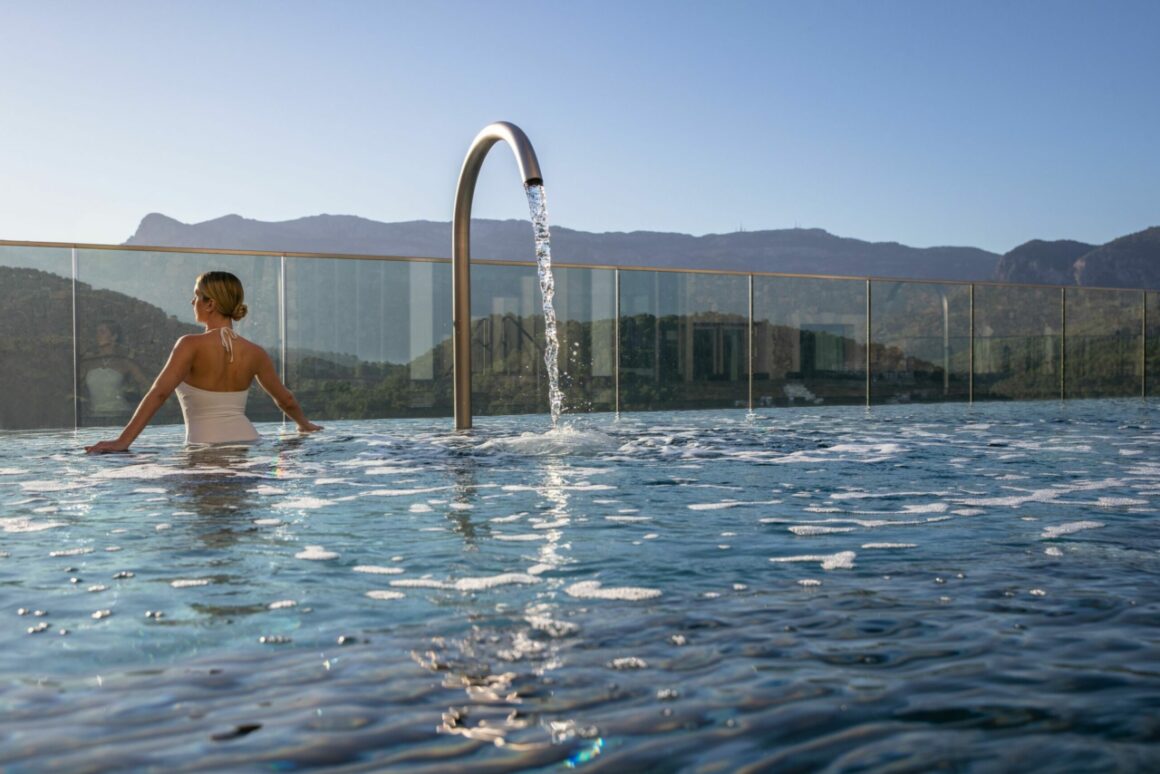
point(212, 416)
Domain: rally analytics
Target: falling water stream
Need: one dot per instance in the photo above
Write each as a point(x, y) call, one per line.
point(538, 203)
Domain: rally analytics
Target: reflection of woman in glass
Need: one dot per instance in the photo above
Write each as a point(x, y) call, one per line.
point(112, 379)
point(211, 373)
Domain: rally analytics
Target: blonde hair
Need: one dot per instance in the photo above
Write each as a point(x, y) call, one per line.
point(225, 290)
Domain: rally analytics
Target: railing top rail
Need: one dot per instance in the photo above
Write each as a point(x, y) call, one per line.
point(555, 263)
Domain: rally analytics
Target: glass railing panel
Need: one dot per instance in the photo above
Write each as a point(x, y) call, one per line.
point(920, 342)
point(1017, 342)
point(683, 340)
point(36, 338)
point(133, 305)
point(509, 375)
point(369, 338)
point(1103, 339)
point(1152, 345)
point(809, 341)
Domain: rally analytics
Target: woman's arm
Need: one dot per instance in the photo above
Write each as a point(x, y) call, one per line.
point(268, 379)
point(173, 374)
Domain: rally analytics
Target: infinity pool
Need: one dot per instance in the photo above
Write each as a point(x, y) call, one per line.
point(901, 589)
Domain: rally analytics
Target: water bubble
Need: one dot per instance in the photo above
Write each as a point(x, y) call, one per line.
point(274, 639)
point(99, 614)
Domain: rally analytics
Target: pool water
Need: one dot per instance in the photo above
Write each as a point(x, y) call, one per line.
point(896, 589)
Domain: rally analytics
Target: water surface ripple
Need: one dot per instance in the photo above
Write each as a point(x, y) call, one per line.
point(842, 589)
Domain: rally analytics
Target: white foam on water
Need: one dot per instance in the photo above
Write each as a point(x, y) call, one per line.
point(582, 487)
point(302, 503)
point(490, 582)
point(282, 604)
point(564, 439)
point(401, 470)
point(1053, 551)
point(843, 560)
point(405, 492)
point(518, 538)
point(729, 504)
point(421, 583)
point(149, 490)
point(968, 512)
point(316, 554)
point(51, 486)
point(812, 529)
point(551, 524)
point(374, 569)
point(268, 522)
point(188, 583)
point(419, 508)
point(888, 546)
point(1011, 501)
point(924, 508)
point(23, 524)
point(628, 662)
point(11, 472)
point(71, 552)
point(385, 595)
point(1114, 502)
point(628, 518)
point(596, 590)
point(266, 489)
point(1069, 528)
point(867, 523)
point(508, 519)
point(809, 582)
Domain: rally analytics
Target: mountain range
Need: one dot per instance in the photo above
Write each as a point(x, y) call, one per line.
point(1131, 261)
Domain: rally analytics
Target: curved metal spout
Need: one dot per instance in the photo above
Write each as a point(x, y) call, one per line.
point(461, 249)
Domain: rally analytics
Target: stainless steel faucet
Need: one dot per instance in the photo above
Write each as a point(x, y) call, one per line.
point(461, 249)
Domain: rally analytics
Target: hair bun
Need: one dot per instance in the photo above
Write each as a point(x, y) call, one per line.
point(240, 311)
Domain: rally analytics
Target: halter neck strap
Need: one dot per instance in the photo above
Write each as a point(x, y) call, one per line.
point(228, 335)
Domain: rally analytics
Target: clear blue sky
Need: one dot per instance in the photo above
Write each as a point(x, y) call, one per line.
point(925, 122)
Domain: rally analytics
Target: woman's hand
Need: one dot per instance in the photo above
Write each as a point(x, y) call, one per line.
point(107, 447)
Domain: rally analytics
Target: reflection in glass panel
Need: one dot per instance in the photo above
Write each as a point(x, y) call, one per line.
point(809, 341)
point(36, 346)
point(1152, 344)
point(1017, 342)
point(921, 337)
point(509, 375)
point(133, 305)
point(1104, 338)
point(369, 338)
point(683, 340)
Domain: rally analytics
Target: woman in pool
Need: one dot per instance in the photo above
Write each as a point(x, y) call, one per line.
point(211, 373)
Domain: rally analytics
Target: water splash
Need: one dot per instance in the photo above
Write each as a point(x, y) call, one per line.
point(538, 204)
